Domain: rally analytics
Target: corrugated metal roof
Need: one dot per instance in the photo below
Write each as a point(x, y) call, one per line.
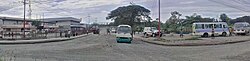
point(45, 20)
point(62, 19)
point(13, 18)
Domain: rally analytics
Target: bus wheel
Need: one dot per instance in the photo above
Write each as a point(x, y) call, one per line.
point(224, 34)
point(205, 35)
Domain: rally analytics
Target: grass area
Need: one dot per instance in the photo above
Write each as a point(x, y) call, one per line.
point(161, 39)
point(193, 38)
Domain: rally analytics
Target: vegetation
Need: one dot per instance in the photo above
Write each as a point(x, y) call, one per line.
point(130, 15)
point(36, 23)
point(138, 17)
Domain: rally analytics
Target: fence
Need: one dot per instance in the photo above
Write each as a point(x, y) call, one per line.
point(13, 35)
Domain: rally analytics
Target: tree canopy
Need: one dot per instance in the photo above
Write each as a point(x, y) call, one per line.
point(225, 18)
point(129, 15)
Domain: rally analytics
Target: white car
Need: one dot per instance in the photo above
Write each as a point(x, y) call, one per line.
point(151, 31)
point(241, 28)
point(113, 30)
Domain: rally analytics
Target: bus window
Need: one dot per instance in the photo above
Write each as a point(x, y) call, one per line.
point(207, 26)
point(224, 26)
point(218, 26)
point(124, 29)
point(211, 26)
point(199, 26)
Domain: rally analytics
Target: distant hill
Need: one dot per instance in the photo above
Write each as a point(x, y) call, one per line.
point(241, 19)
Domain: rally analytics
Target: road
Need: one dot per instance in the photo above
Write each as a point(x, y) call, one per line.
point(103, 47)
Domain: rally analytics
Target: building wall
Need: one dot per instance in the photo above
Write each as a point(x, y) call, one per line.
point(6, 22)
point(73, 22)
point(1, 22)
point(63, 23)
point(11, 22)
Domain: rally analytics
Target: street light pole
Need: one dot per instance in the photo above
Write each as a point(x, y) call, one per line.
point(24, 20)
point(159, 18)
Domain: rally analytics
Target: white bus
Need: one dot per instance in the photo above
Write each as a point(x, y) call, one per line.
point(205, 29)
point(124, 34)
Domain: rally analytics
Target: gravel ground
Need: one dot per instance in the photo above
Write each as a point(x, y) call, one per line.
point(104, 48)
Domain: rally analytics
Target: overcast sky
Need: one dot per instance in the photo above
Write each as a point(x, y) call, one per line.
point(100, 8)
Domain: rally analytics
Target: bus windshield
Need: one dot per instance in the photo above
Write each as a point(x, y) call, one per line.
point(124, 29)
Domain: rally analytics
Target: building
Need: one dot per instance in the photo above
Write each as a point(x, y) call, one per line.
point(68, 23)
point(10, 25)
point(64, 22)
point(13, 27)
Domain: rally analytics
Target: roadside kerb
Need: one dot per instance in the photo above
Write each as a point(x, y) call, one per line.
point(40, 40)
point(189, 44)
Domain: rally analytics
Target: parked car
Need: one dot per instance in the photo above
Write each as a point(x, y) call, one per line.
point(151, 31)
point(241, 28)
point(113, 30)
point(95, 30)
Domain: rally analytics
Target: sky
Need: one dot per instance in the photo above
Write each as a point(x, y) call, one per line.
point(97, 10)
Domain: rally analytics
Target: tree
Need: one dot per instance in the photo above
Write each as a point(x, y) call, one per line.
point(225, 18)
point(173, 22)
point(36, 23)
point(240, 19)
point(129, 15)
point(155, 24)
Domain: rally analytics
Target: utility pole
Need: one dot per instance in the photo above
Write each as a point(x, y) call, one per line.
point(159, 23)
point(43, 19)
point(88, 26)
point(30, 10)
point(24, 19)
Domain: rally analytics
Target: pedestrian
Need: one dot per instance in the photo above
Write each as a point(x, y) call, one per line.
point(230, 31)
point(181, 33)
point(69, 33)
point(108, 31)
point(60, 33)
point(12, 35)
point(46, 33)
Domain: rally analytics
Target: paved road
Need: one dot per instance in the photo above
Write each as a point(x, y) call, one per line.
point(103, 47)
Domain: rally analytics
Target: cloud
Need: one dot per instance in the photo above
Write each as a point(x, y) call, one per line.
point(100, 8)
point(187, 2)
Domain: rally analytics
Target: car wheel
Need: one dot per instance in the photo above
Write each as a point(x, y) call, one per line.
point(130, 42)
point(205, 35)
point(224, 34)
point(145, 34)
point(153, 35)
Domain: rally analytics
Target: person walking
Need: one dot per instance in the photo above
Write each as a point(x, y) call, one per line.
point(60, 33)
point(231, 31)
point(69, 33)
point(108, 31)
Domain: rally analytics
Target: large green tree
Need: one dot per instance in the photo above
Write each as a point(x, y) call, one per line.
point(225, 18)
point(130, 15)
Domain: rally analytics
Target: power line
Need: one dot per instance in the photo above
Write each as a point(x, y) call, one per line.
point(229, 6)
point(240, 2)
